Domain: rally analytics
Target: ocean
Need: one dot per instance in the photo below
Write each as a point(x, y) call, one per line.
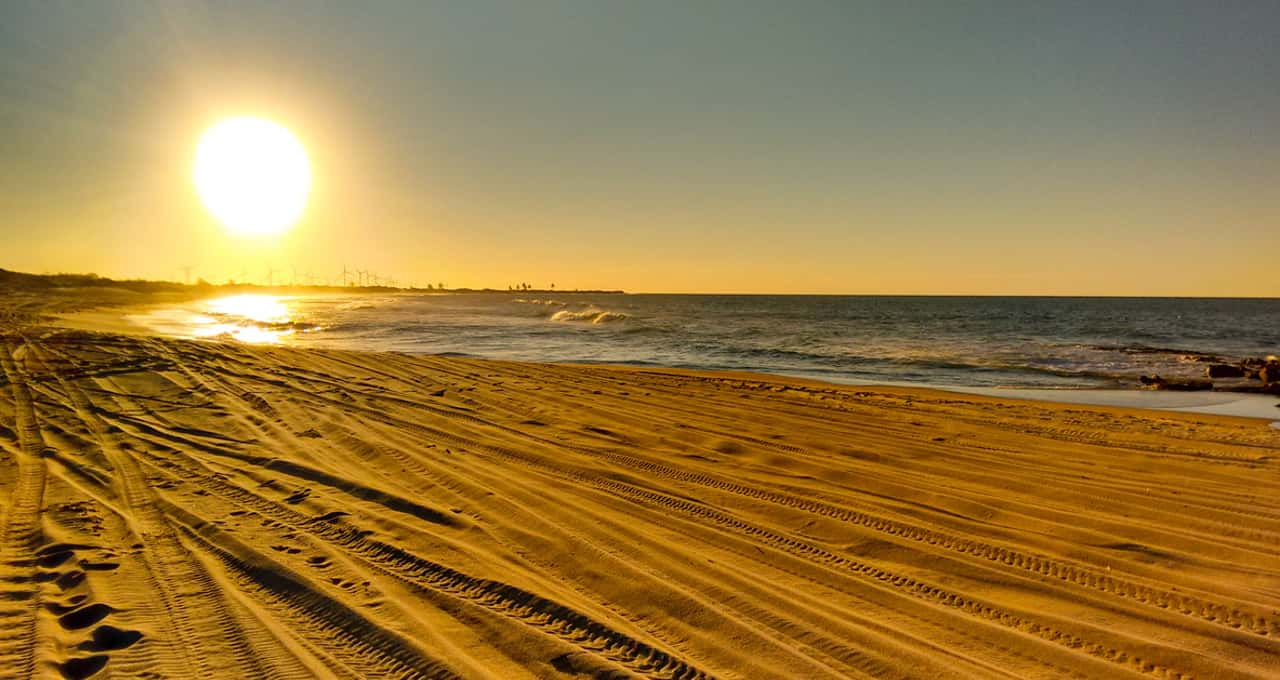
point(983, 342)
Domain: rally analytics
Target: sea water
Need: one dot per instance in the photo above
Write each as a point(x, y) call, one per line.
point(968, 342)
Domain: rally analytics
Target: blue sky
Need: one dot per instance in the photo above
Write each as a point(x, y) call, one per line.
point(934, 147)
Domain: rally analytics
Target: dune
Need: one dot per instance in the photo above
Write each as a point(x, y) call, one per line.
point(172, 508)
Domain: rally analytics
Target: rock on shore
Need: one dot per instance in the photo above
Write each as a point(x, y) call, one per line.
point(1253, 375)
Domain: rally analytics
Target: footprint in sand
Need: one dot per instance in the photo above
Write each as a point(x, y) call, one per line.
point(58, 609)
point(78, 669)
point(69, 580)
point(85, 616)
point(108, 638)
point(54, 559)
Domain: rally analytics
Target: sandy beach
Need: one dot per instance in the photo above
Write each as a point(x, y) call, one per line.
point(620, 340)
point(181, 508)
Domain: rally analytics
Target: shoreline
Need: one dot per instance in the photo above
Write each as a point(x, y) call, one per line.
point(1264, 407)
point(1225, 403)
point(1252, 412)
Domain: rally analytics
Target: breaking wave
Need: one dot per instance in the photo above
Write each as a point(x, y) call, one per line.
point(591, 315)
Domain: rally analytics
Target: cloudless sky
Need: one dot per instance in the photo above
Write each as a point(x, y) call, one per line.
point(1117, 148)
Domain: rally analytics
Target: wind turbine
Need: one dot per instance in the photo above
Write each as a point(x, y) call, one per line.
point(186, 270)
point(271, 272)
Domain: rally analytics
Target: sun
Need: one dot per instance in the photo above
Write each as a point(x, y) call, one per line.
point(253, 175)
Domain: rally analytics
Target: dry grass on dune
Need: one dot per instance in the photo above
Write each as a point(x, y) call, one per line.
point(218, 510)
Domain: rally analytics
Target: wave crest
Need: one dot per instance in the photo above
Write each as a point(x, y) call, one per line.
point(591, 315)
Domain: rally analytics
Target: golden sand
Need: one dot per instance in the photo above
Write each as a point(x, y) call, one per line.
point(200, 509)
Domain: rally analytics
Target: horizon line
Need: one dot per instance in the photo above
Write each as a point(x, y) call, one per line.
point(602, 291)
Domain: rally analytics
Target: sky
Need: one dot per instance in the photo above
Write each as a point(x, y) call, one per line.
point(1073, 148)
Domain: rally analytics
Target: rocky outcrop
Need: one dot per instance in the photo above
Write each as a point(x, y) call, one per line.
point(1224, 371)
point(1253, 375)
point(1270, 373)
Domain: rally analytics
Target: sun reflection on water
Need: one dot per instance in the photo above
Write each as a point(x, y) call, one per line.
point(248, 318)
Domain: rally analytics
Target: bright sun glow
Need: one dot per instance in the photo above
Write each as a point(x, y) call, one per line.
point(253, 175)
point(259, 308)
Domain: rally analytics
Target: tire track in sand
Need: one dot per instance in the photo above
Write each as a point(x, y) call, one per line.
point(401, 564)
point(209, 637)
point(542, 614)
point(22, 532)
point(1230, 616)
point(1051, 569)
point(420, 573)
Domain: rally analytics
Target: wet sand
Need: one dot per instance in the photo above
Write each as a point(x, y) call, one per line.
point(225, 510)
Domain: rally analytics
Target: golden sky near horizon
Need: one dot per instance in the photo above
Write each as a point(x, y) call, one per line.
point(733, 148)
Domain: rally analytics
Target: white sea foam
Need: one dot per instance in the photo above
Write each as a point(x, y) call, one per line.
point(589, 315)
